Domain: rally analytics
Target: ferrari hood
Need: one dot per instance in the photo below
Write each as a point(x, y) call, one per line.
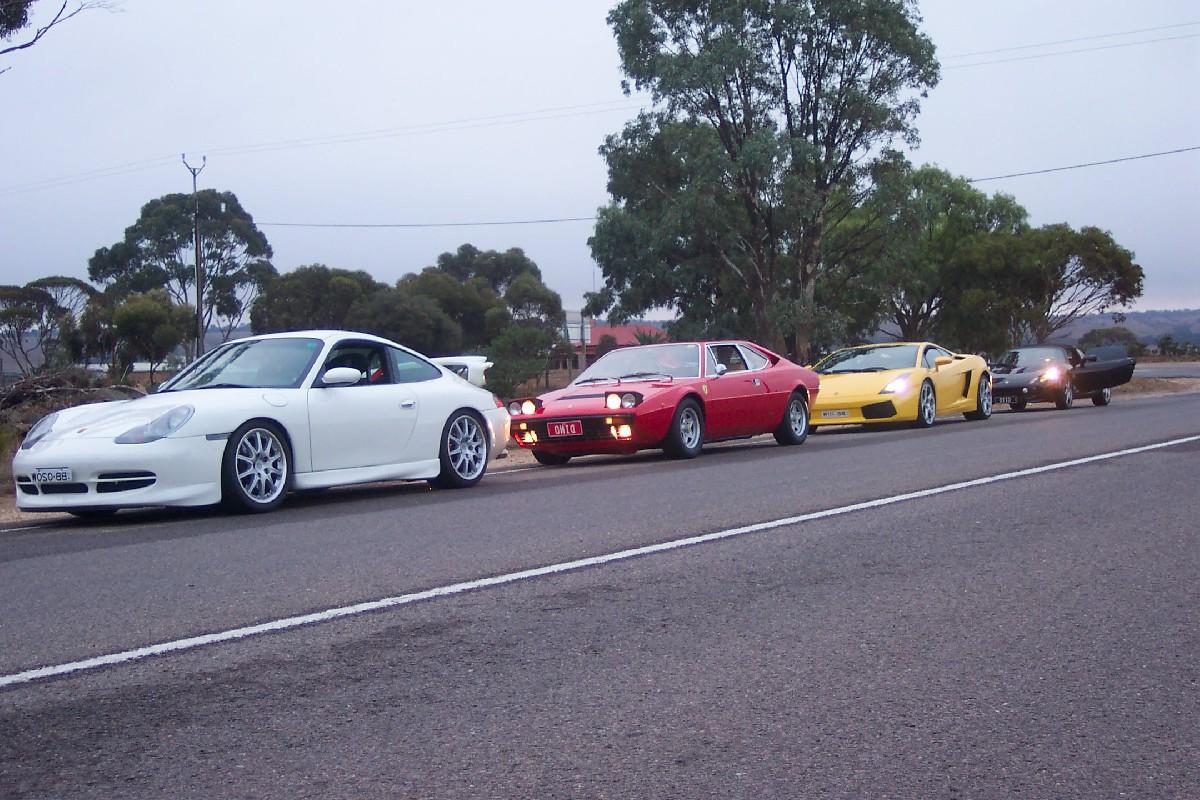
point(590, 396)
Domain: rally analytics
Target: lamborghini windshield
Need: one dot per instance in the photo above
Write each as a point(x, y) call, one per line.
point(652, 361)
point(879, 358)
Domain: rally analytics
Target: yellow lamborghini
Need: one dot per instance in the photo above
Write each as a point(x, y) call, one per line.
point(901, 382)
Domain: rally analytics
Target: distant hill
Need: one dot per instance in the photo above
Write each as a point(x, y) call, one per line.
point(1147, 326)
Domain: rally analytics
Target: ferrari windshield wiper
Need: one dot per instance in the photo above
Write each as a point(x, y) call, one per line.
point(581, 381)
point(646, 375)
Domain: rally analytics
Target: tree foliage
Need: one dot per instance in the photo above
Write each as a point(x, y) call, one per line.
point(1117, 334)
point(771, 121)
point(27, 316)
point(158, 251)
point(151, 326)
point(311, 297)
point(14, 18)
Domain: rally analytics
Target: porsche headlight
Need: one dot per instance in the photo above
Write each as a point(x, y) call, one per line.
point(163, 426)
point(38, 432)
point(896, 386)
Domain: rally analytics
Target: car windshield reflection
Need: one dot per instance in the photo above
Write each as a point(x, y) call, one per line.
point(868, 359)
point(251, 364)
point(653, 361)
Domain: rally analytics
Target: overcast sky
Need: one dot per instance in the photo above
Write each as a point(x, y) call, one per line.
point(373, 111)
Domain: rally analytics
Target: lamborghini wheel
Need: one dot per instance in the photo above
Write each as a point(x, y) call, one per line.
point(926, 406)
point(983, 400)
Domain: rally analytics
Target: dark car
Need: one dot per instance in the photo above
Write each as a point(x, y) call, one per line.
point(1054, 373)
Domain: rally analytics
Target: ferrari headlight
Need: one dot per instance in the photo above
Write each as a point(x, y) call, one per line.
point(612, 401)
point(896, 386)
point(38, 432)
point(514, 408)
point(522, 407)
point(528, 407)
point(163, 426)
point(626, 400)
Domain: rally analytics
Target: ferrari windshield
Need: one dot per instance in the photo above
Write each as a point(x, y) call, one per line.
point(869, 359)
point(255, 363)
point(1033, 357)
point(658, 360)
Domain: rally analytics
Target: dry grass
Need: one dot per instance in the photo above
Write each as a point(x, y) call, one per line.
point(1142, 386)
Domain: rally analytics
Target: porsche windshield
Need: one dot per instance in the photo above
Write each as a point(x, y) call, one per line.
point(257, 363)
point(869, 359)
point(631, 363)
point(1033, 357)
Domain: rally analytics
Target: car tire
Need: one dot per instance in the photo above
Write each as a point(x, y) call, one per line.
point(256, 470)
point(983, 400)
point(793, 428)
point(463, 452)
point(926, 406)
point(1102, 397)
point(1018, 405)
point(549, 459)
point(1066, 398)
point(686, 435)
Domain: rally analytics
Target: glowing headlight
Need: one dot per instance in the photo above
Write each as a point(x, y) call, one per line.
point(528, 407)
point(163, 426)
point(39, 430)
point(896, 386)
point(1051, 374)
point(612, 401)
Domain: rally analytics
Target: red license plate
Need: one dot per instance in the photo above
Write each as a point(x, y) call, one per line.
point(559, 429)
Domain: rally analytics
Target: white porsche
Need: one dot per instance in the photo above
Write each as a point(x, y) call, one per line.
point(257, 417)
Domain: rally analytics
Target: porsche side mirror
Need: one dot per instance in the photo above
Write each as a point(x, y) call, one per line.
point(341, 376)
point(942, 361)
point(721, 370)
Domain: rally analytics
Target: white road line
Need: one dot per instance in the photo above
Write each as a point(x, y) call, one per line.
point(551, 569)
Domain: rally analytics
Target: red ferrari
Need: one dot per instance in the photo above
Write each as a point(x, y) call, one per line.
point(670, 396)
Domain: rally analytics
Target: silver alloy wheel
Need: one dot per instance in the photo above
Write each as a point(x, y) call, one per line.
point(928, 404)
point(985, 397)
point(797, 417)
point(466, 447)
point(689, 428)
point(1106, 396)
point(1068, 395)
point(261, 465)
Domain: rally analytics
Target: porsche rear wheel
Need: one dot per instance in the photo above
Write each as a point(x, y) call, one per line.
point(464, 451)
point(793, 429)
point(686, 436)
point(256, 469)
point(549, 459)
point(926, 406)
point(1066, 398)
point(1102, 397)
point(983, 400)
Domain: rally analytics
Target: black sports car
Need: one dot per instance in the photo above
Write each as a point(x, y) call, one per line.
point(1054, 373)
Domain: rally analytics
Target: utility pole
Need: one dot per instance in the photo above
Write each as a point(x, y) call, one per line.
point(199, 271)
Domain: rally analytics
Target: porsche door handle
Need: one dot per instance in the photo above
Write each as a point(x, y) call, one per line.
point(408, 403)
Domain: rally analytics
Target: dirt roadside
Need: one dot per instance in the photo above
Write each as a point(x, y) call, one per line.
point(520, 459)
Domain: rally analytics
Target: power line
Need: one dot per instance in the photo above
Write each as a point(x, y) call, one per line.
point(551, 220)
point(1072, 52)
point(1073, 41)
point(1088, 164)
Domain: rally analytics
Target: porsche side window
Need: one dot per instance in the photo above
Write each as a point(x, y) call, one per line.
point(754, 360)
point(367, 359)
point(407, 368)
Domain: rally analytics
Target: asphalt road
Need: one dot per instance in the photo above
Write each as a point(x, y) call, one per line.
point(1033, 636)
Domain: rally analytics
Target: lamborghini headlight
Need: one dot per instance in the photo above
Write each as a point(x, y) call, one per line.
point(160, 428)
point(38, 432)
point(896, 386)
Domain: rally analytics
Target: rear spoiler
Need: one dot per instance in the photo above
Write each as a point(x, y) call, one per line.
point(469, 368)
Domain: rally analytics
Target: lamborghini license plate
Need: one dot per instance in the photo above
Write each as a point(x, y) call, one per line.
point(837, 412)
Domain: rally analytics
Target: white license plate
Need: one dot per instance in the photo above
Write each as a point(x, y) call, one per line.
point(52, 475)
point(840, 412)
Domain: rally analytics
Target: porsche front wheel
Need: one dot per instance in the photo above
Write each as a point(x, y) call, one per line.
point(256, 468)
point(686, 436)
point(983, 401)
point(793, 429)
point(926, 406)
point(463, 453)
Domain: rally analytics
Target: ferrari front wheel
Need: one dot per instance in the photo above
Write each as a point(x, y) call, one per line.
point(1066, 398)
point(983, 401)
point(926, 406)
point(686, 436)
point(793, 429)
point(549, 459)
